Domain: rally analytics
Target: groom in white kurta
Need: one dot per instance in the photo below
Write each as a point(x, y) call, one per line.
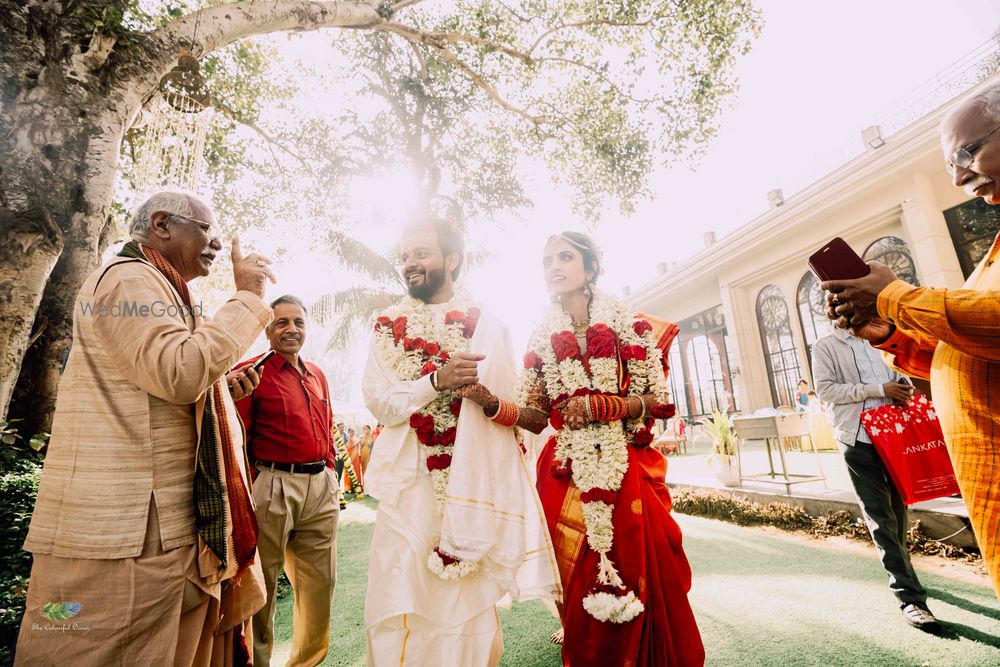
point(491, 515)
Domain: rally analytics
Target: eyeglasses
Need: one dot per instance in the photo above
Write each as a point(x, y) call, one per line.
point(206, 227)
point(966, 155)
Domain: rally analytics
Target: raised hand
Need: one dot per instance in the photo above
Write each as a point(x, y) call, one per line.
point(250, 272)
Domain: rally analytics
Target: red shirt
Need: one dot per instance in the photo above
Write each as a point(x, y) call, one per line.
point(288, 417)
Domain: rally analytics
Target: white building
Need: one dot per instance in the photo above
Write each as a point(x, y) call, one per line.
point(748, 306)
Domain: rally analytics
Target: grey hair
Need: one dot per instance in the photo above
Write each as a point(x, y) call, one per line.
point(168, 201)
point(987, 100)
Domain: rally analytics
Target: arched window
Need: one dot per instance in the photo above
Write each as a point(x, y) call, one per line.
point(811, 303)
point(704, 366)
point(779, 346)
point(678, 390)
point(894, 253)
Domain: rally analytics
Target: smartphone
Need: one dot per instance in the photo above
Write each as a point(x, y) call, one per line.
point(838, 261)
point(260, 362)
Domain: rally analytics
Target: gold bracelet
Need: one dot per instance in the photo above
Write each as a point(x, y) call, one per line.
point(434, 381)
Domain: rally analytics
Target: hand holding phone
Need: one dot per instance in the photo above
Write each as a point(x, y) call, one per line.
point(242, 382)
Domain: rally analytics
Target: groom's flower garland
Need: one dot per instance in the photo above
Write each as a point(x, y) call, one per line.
point(405, 337)
point(597, 455)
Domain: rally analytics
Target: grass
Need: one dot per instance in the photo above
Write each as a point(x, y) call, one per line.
point(761, 598)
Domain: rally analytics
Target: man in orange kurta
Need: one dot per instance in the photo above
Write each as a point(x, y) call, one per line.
point(951, 337)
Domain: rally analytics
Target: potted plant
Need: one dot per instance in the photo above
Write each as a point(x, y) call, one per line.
point(722, 457)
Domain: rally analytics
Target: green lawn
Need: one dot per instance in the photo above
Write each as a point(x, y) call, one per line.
point(761, 599)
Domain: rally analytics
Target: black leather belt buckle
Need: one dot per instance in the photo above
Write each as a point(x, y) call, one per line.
point(302, 468)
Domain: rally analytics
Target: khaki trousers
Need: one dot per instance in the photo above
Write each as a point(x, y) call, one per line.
point(148, 610)
point(297, 518)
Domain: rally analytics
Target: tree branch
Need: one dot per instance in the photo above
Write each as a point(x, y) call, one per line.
point(596, 72)
point(220, 25)
point(583, 24)
point(219, 104)
point(439, 39)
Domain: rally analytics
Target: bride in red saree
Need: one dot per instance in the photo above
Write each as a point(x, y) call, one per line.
point(597, 372)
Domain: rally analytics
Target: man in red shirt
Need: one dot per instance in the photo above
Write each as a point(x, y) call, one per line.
point(288, 420)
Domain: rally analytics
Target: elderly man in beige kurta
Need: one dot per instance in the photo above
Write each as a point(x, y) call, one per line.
point(121, 574)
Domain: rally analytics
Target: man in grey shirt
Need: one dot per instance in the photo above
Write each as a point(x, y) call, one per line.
point(851, 377)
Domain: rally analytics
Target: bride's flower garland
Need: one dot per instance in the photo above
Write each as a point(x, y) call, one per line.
point(406, 338)
point(597, 455)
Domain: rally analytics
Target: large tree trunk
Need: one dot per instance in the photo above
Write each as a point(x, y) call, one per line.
point(29, 249)
point(67, 99)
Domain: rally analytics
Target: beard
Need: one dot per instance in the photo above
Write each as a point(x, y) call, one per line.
point(433, 280)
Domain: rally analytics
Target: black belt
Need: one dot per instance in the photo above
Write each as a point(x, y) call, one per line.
point(307, 468)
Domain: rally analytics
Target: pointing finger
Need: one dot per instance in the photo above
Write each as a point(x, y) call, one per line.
point(237, 254)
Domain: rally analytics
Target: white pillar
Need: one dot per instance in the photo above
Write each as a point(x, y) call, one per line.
point(930, 241)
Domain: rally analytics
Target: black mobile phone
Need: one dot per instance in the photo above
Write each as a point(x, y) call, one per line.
point(838, 261)
point(257, 365)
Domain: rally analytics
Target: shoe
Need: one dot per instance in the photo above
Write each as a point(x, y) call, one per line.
point(343, 505)
point(919, 616)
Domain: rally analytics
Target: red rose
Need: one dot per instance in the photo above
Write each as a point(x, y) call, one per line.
point(383, 323)
point(600, 341)
point(641, 326)
point(416, 419)
point(561, 471)
point(431, 349)
point(448, 436)
point(455, 407)
point(445, 558)
point(663, 411)
point(637, 352)
point(444, 356)
point(454, 317)
point(596, 495)
point(531, 360)
point(438, 461)
point(398, 328)
point(428, 368)
point(642, 439)
point(565, 346)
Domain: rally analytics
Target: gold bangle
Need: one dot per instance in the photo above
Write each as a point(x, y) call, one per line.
point(434, 381)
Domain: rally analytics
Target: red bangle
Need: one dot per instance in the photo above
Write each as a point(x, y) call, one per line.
point(507, 414)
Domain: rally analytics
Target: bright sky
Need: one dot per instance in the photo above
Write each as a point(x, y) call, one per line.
point(818, 75)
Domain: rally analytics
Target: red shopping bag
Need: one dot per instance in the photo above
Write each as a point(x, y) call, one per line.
point(909, 440)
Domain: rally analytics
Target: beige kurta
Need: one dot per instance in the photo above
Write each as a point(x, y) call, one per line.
point(113, 526)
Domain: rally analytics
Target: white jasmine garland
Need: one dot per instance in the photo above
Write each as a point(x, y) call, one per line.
point(614, 608)
point(451, 571)
point(451, 339)
point(599, 451)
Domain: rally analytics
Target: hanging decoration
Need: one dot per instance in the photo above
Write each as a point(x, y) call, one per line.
point(178, 119)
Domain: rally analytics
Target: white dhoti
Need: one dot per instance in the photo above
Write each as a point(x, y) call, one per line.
point(412, 616)
point(492, 516)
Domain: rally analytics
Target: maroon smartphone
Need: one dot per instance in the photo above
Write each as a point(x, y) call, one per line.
point(838, 261)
